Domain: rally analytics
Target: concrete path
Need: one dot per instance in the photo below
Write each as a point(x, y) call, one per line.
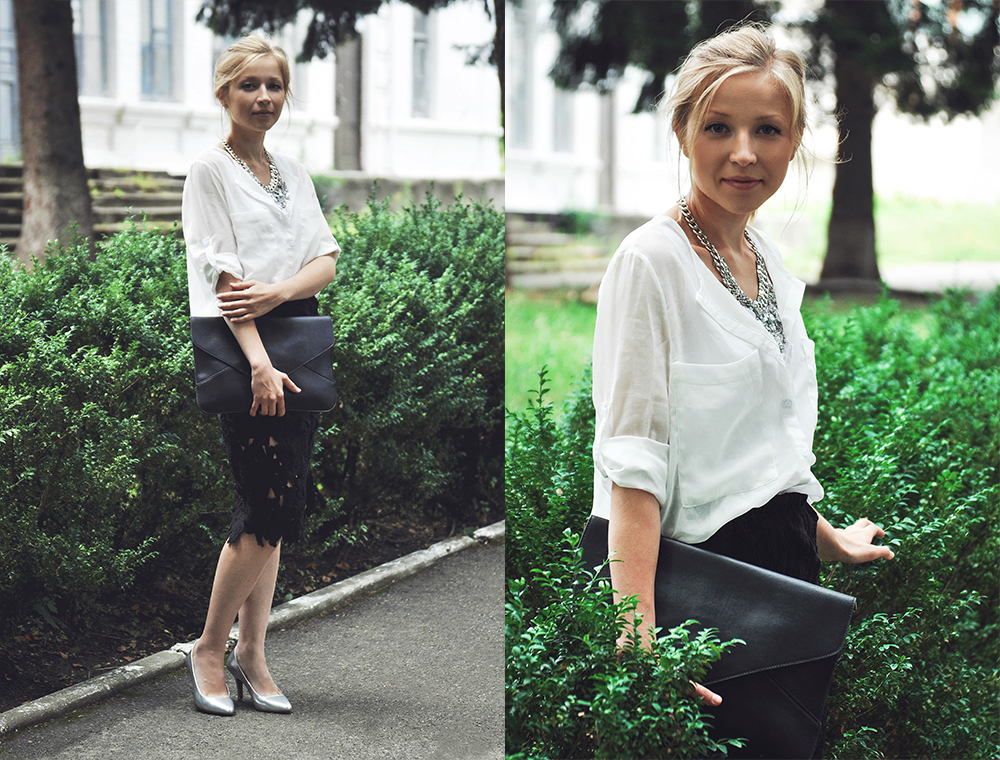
point(411, 672)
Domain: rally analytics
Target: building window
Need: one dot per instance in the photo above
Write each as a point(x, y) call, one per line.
point(10, 127)
point(421, 65)
point(160, 56)
point(562, 121)
point(92, 38)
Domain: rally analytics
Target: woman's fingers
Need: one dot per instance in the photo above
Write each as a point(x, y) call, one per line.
point(857, 542)
point(706, 695)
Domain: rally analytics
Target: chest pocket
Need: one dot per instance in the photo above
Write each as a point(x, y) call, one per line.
point(718, 431)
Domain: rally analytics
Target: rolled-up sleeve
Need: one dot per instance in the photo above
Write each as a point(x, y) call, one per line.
point(208, 236)
point(631, 362)
point(318, 240)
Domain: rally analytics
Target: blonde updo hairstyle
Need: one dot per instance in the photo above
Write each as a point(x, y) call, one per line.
point(235, 59)
point(746, 49)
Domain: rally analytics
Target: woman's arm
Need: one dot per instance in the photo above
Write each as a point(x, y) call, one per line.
point(634, 539)
point(852, 545)
point(267, 383)
point(633, 546)
point(244, 301)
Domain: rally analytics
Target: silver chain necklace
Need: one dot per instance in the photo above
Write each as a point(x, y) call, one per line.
point(765, 308)
point(277, 189)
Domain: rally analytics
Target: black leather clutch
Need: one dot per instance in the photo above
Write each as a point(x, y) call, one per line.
point(301, 347)
point(773, 689)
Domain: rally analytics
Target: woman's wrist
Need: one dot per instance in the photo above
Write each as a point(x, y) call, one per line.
point(828, 542)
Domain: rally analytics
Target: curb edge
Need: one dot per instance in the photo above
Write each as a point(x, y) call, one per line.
point(310, 605)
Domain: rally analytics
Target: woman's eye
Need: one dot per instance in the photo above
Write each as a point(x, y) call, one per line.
point(770, 130)
point(716, 128)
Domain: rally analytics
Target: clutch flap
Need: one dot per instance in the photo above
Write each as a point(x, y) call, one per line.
point(783, 620)
point(292, 342)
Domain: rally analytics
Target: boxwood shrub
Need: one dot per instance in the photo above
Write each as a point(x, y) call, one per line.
point(909, 436)
point(110, 475)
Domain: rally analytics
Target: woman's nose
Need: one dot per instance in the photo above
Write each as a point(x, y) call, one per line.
point(743, 152)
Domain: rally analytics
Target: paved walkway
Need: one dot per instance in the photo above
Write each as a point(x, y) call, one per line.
point(412, 672)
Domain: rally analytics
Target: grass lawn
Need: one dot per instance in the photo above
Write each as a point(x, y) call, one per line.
point(551, 330)
point(908, 231)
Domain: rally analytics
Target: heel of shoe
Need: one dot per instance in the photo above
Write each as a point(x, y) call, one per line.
point(239, 690)
point(277, 703)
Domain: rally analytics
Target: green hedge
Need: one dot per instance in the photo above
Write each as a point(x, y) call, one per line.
point(112, 476)
point(909, 436)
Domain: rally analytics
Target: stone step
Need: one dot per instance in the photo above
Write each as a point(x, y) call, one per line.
point(517, 225)
point(556, 253)
point(118, 195)
point(539, 239)
point(105, 198)
point(107, 229)
point(535, 266)
point(137, 210)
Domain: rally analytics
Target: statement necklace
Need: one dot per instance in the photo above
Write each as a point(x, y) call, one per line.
point(277, 189)
point(765, 308)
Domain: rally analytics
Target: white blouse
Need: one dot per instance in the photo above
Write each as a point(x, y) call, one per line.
point(232, 225)
point(695, 402)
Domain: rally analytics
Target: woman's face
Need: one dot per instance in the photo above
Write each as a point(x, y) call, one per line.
point(255, 98)
point(741, 151)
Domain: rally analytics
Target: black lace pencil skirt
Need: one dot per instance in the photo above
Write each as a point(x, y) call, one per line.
point(270, 460)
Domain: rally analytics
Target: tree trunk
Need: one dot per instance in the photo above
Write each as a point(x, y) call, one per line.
point(56, 196)
point(498, 51)
point(851, 234)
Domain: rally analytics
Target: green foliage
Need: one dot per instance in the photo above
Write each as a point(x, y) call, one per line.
point(418, 307)
point(107, 463)
point(909, 436)
point(549, 474)
point(568, 694)
point(112, 477)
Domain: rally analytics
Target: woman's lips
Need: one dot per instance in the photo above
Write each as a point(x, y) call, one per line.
point(742, 183)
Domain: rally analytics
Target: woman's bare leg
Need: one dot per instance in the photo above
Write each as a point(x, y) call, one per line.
point(253, 627)
point(240, 568)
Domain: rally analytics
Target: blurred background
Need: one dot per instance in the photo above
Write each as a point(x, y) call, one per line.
point(588, 158)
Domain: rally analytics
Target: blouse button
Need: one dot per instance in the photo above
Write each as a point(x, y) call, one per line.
point(787, 403)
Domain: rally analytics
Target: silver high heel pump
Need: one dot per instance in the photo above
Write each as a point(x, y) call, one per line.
point(212, 705)
point(277, 703)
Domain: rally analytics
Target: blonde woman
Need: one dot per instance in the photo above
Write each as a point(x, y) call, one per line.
point(704, 377)
point(258, 246)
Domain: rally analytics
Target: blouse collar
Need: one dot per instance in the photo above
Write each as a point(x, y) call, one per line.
point(724, 308)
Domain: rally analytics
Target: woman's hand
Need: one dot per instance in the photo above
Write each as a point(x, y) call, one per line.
point(268, 385)
point(250, 299)
point(853, 544)
point(624, 642)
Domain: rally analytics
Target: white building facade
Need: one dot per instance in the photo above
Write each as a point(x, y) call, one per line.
point(576, 150)
point(401, 102)
point(581, 151)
